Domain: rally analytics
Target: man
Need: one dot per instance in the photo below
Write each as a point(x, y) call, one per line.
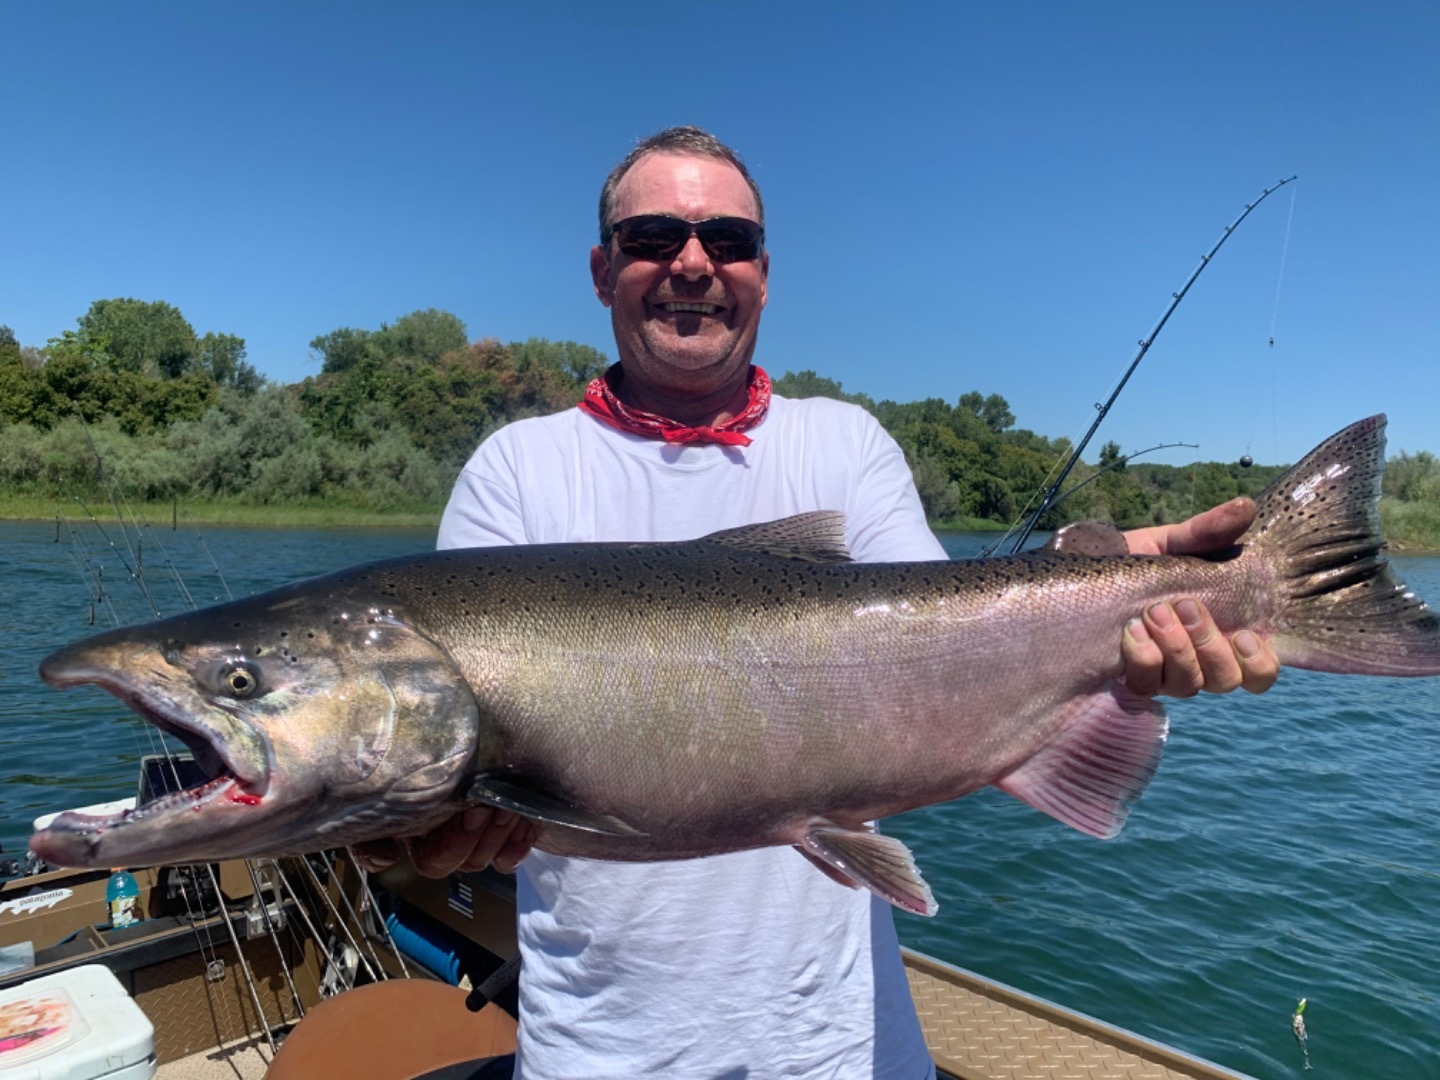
point(751, 964)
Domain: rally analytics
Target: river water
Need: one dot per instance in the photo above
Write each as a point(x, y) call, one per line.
point(1286, 849)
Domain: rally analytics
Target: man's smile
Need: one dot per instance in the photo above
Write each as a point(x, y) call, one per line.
point(673, 306)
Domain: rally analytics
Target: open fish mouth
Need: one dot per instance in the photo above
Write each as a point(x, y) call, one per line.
point(221, 789)
point(226, 778)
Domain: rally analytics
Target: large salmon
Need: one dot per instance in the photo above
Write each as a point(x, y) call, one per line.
point(666, 701)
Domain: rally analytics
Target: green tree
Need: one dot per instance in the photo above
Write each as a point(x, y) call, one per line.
point(343, 349)
point(807, 384)
point(993, 411)
point(25, 395)
point(1213, 485)
point(221, 357)
point(577, 363)
point(149, 405)
point(422, 335)
point(1125, 503)
point(1413, 477)
point(147, 338)
point(75, 383)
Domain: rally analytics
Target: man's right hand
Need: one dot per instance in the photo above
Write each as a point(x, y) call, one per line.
point(471, 840)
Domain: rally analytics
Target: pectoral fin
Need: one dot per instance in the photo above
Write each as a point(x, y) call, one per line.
point(880, 863)
point(530, 801)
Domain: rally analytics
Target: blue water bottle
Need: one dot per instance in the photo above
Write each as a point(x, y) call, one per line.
point(122, 897)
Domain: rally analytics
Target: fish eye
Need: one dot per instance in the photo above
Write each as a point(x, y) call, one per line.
point(240, 679)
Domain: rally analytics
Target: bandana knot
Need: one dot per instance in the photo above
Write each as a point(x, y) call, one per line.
point(601, 402)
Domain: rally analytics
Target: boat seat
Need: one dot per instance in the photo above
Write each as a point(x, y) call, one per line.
point(402, 1029)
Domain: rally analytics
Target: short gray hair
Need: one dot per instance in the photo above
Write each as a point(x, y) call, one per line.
point(694, 141)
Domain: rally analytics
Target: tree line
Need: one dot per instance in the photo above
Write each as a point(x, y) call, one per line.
point(135, 398)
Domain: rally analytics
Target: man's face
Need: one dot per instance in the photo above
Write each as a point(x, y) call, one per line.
point(685, 352)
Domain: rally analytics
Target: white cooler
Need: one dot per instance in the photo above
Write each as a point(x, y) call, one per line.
point(77, 1025)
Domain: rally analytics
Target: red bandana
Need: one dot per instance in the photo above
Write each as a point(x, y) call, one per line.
point(601, 402)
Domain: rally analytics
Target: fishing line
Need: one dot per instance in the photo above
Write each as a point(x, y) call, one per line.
point(90, 573)
point(136, 578)
point(158, 749)
point(167, 756)
point(355, 918)
point(373, 906)
point(1103, 408)
point(204, 940)
point(1274, 316)
point(335, 913)
point(259, 890)
point(143, 527)
point(1280, 277)
point(109, 490)
point(1270, 343)
point(215, 565)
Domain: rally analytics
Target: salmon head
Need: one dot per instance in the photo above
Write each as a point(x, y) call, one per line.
point(318, 719)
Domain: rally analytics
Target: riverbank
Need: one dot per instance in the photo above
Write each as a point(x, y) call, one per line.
point(1410, 527)
point(191, 513)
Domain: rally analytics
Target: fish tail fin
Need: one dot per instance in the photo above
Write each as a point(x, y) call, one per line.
point(1343, 608)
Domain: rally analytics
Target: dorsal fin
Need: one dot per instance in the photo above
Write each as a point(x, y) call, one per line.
point(817, 537)
point(1094, 538)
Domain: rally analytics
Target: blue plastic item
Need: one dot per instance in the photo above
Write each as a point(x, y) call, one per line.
point(122, 897)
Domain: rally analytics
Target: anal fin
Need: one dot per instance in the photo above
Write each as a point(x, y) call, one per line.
point(880, 863)
point(1092, 773)
point(513, 794)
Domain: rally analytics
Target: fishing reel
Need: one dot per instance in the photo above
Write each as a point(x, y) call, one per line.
point(186, 892)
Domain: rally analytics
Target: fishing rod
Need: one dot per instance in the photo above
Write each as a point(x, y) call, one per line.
point(1052, 493)
point(1119, 463)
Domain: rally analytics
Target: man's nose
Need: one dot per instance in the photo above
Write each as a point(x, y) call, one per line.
point(692, 263)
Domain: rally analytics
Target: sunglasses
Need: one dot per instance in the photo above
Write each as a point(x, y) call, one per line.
point(660, 237)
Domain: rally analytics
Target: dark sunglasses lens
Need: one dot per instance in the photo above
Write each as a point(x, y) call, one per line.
point(730, 239)
point(656, 237)
point(652, 238)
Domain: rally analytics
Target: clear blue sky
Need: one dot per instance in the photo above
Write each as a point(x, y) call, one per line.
point(960, 196)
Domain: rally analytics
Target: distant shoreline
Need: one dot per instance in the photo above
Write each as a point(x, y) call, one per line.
point(164, 516)
point(333, 516)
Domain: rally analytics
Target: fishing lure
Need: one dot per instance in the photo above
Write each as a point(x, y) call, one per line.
point(1297, 1027)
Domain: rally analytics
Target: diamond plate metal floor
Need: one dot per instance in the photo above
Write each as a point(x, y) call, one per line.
point(979, 1030)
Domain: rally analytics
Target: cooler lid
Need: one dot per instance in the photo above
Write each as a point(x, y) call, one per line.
point(78, 1024)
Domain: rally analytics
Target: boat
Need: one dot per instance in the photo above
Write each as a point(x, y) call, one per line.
point(299, 968)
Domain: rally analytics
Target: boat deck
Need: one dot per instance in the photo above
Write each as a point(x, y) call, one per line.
point(976, 1029)
point(982, 1030)
point(246, 1059)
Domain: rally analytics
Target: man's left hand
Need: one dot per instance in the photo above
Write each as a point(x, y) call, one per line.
point(1176, 649)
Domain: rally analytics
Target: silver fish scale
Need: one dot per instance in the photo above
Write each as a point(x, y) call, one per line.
point(653, 683)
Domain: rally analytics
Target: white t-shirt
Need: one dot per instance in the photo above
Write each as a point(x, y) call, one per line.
point(752, 965)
